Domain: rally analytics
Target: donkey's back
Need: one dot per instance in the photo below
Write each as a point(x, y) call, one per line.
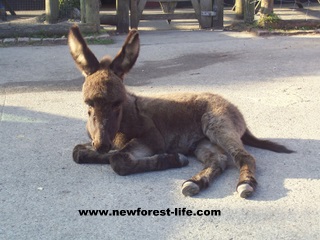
point(181, 117)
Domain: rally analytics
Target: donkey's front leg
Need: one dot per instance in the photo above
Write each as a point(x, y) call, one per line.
point(136, 158)
point(86, 154)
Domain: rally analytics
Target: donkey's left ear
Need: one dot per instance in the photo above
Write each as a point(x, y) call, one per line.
point(128, 55)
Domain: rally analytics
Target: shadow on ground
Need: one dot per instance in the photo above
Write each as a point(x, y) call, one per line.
point(37, 148)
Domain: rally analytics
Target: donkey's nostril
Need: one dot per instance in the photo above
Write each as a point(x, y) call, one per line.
point(92, 143)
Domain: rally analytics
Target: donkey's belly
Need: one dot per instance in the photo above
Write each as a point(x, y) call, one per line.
point(183, 143)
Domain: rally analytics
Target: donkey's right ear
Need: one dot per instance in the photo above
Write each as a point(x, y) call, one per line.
point(84, 58)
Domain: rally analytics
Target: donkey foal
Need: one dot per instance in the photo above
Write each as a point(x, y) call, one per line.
point(138, 134)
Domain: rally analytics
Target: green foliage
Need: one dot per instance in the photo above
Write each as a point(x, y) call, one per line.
point(100, 41)
point(69, 3)
point(268, 19)
point(66, 6)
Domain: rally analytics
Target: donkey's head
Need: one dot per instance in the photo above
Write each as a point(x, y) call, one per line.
point(103, 89)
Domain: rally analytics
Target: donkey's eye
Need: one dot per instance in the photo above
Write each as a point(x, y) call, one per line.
point(116, 104)
point(90, 103)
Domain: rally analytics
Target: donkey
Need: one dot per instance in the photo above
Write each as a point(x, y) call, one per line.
point(139, 134)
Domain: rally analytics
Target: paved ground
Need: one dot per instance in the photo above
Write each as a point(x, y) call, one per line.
point(274, 81)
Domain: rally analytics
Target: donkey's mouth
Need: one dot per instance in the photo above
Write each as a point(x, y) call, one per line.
point(102, 151)
point(101, 148)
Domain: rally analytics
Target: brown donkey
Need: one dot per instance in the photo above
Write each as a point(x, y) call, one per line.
point(138, 134)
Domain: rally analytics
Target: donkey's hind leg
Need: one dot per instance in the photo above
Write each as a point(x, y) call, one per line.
point(215, 162)
point(222, 131)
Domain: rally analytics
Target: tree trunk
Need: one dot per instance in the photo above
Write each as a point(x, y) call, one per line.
point(52, 11)
point(239, 5)
point(266, 8)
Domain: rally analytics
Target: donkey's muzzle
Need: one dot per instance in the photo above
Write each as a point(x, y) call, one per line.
point(101, 147)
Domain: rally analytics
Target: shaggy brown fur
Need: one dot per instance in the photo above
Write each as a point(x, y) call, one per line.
point(138, 134)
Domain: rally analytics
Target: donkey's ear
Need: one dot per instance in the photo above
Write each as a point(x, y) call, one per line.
point(84, 58)
point(128, 55)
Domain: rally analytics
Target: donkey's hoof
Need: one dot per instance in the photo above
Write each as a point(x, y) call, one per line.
point(184, 161)
point(82, 153)
point(78, 153)
point(190, 189)
point(245, 190)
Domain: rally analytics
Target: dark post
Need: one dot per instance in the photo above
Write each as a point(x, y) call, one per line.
point(218, 19)
point(123, 16)
point(206, 8)
point(83, 10)
point(92, 13)
point(134, 19)
point(248, 11)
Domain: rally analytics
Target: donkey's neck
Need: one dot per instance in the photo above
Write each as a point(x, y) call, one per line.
point(130, 115)
point(129, 107)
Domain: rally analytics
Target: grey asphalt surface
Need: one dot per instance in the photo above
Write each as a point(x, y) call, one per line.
point(275, 81)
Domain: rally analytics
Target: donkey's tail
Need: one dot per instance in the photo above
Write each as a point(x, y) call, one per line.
point(249, 139)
